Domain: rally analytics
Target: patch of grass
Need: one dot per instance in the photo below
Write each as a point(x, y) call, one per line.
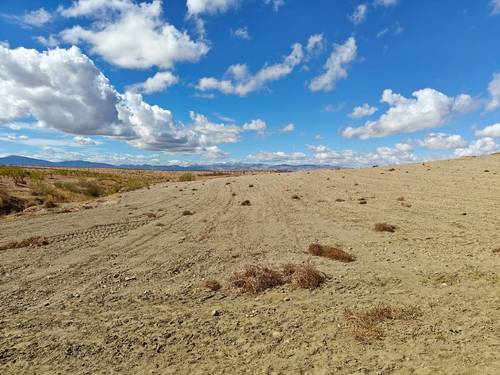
point(330, 252)
point(256, 279)
point(365, 325)
point(186, 177)
point(384, 227)
point(213, 285)
point(32, 242)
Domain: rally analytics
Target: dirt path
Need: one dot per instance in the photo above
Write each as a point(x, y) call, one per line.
point(118, 289)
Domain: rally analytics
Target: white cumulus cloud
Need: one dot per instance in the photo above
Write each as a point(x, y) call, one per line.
point(489, 131)
point(159, 82)
point(386, 3)
point(63, 90)
point(362, 111)
point(239, 81)
point(359, 14)
point(36, 18)
point(131, 35)
point(276, 4)
point(335, 67)
point(288, 128)
point(241, 33)
point(481, 146)
point(494, 90)
point(428, 109)
point(197, 7)
point(442, 141)
point(85, 141)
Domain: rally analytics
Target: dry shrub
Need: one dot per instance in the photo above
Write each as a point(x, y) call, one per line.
point(186, 177)
point(50, 203)
point(10, 204)
point(303, 275)
point(255, 279)
point(330, 252)
point(32, 242)
point(365, 325)
point(187, 213)
point(384, 227)
point(213, 285)
point(246, 203)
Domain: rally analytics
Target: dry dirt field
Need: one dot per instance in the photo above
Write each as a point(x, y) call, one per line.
point(119, 288)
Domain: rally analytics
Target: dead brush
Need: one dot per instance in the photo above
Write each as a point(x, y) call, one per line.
point(213, 285)
point(365, 325)
point(303, 275)
point(35, 241)
point(330, 252)
point(384, 227)
point(255, 279)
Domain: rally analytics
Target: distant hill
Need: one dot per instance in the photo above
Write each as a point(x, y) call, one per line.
point(31, 162)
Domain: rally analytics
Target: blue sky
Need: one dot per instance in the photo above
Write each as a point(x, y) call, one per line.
point(349, 83)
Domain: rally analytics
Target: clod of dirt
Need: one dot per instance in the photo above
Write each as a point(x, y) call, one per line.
point(246, 203)
point(330, 252)
point(384, 227)
point(212, 285)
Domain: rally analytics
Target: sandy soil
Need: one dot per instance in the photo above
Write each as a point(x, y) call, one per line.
point(118, 290)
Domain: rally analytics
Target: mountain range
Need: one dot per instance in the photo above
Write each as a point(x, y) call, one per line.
point(31, 162)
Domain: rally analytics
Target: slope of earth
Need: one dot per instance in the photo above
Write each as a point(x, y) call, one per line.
point(119, 288)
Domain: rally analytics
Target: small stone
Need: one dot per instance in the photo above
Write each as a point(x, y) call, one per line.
point(215, 312)
point(277, 334)
point(286, 299)
point(75, 295)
